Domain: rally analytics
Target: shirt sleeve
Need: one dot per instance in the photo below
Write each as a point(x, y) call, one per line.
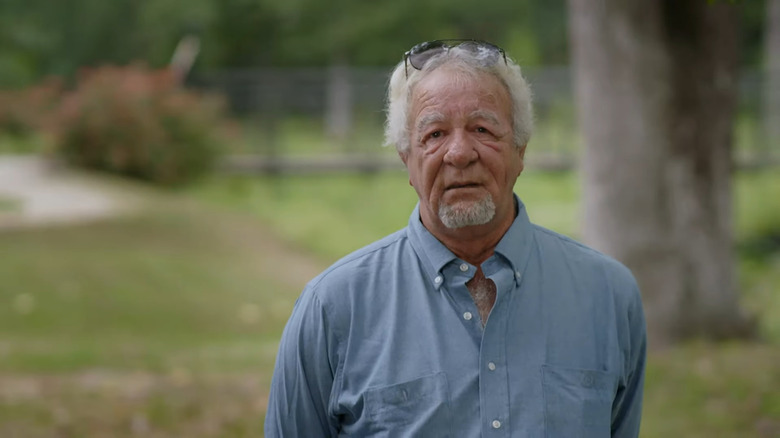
point(627, 406)
point(303, 375)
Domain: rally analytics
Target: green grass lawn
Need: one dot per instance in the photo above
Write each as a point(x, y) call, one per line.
point(8, 204)
point(166, 323)
point(161, 324)
point(125, 292)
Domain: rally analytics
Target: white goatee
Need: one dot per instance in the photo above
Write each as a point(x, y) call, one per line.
point(465, 214)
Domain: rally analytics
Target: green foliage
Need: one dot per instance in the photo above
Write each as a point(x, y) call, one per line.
point(758, 213)
point(244, 33)
point(139, 123)
point(66, 35)
point(377, 33)
point(59, 38)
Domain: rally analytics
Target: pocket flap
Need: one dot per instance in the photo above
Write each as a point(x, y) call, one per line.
point(386, 397)
point(581, 378)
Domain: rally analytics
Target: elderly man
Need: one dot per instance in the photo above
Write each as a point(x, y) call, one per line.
point(471, 321)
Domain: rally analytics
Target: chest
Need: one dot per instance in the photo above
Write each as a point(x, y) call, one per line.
point(423, 362)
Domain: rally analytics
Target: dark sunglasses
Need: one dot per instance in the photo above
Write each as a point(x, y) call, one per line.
point(419, 55)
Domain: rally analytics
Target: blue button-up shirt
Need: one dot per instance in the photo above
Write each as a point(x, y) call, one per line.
point(388, 342)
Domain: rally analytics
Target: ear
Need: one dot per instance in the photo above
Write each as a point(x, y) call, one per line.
point(521, 154)
point(404, 157)
point(521, 151)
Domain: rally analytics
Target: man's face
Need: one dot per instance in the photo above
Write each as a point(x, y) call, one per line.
point(462, 161)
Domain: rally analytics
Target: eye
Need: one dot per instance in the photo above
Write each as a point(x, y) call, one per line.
point(432, 135)
point(482, 130)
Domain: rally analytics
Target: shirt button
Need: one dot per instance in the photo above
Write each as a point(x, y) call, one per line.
point(467, 316)
point(491, 366)
point(496, 424)
point(437, 280)
point(464, 267)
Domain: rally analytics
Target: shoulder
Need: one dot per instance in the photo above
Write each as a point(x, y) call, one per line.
point(354, 284)
point(586, 262)
point(361, 265)
point(606, 282)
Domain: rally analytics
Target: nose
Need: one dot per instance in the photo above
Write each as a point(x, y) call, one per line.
point(461, 151)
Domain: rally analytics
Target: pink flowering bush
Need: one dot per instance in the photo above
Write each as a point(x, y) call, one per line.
point(139, 123)
point(28, 111)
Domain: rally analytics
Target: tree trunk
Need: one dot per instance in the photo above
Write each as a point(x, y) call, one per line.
point(656, 85)
point(771, 113)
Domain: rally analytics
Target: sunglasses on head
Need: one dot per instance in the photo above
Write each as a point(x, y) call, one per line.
point(420, 54)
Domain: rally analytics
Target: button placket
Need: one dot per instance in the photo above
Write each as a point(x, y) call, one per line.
point(494, 397)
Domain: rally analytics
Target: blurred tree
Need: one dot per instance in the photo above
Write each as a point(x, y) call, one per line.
point(161, 24)
point(83, 32)
point(245, 33)
point(771, 111)
point(376, 33)
point(57, 38)
point(656, 92)
point(41, 38)
point(752, 31)
point(547, 18)
point(24, 43)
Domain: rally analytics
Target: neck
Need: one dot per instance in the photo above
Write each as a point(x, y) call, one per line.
point(473, 244)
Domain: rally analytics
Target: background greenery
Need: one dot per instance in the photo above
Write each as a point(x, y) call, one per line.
point(41, 38)
point(166, 322)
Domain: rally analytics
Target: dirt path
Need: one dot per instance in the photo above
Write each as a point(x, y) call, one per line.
point(35, 192)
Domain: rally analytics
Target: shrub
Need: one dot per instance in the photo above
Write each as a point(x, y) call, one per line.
point(139, 123)
point(23, 113)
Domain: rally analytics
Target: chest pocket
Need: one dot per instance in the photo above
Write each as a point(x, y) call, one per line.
point(577, 403)
point(419, 407)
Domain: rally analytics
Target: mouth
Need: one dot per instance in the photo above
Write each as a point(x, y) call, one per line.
point(462, 186)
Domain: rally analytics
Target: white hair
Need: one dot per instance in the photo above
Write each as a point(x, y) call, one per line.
point(405, 77)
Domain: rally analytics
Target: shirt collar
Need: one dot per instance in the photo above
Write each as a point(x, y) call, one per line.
point(514, 246)
point(433, 254)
